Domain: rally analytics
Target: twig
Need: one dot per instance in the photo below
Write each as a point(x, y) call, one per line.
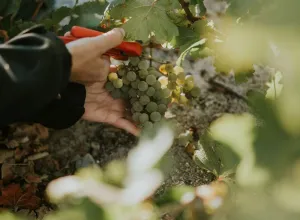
point(227, 89)
point(151, 59)
point(37, 10)
point(189, 15)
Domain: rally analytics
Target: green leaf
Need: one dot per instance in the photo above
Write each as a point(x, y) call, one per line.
point(200, 5)
point(12, 7)
point(114, 3)
point(207, 158)
point(147, 17)
point(174, 195)
point(275, 87)
point(60, 14)
point(185, 53)
point(189, 36)
point(89, 14)
point(229, 160)
point(3, 5)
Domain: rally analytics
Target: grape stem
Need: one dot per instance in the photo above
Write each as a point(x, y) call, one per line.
point(189, 15)
point(151, 59)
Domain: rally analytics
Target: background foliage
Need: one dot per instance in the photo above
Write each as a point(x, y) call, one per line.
point(255, 157)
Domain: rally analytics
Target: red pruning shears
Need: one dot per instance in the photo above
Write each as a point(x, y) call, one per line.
point(121, 52)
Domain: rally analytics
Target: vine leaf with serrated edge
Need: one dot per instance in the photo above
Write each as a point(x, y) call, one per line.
point(185, 53)
point(147, 17)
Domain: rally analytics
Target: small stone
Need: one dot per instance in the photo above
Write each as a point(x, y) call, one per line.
point(95, 145)
point(86, 161)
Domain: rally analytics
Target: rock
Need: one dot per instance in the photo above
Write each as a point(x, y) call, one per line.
point(85, 161)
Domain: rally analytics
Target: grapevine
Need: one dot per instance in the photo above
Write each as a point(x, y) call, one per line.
point(148, 91)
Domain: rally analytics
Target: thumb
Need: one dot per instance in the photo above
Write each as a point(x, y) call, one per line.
point(109, 40)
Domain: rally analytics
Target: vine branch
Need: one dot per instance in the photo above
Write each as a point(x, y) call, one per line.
point(212, 81)
point(189, 15)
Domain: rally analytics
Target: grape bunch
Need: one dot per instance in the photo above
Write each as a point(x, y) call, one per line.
point(148, 91)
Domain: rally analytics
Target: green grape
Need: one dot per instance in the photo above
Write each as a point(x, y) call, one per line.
point(157, 85)
point(183, 99)
point(148, 125)
point(180, 78)
point(163, 81)
point(178, 70)
point(122, 72)
point(162, 108)
point(150, 92)
point(188, 86)
point(180, 82)
point(118, 83)
point(151, 68)
point(158, 94)
point(143, 74)
point(134, 84)
point(143, 118)
point(125, 89)
point(155, 73)
point(176, 92)
point(172, 86)
point(169, 67)
point(151, 80)
point(116, 94)
point(137, 107)
point(136, 116)
point(112, 77)
point(132, 92)
point(143, 65)
point(131, 76)
point(133, 100)
point(155, 116)
point(140, 93)
point(125, 81)
point(144, 100)
point(172, 77)
point(189, 78)
point(166, 93)
point(151, 107)
point(142, 86)
point(195, 92)
point(109, 86)
point(166, 101)
point(134, 61)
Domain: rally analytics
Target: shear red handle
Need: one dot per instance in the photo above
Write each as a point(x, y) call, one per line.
point(121, 52)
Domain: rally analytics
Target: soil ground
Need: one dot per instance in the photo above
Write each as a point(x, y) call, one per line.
point(31, 154)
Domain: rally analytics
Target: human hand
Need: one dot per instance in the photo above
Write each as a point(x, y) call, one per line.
point(89, 65)
point(91, 68)
point(101, 107)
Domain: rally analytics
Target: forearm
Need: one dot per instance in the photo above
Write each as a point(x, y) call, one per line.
point(36, 80)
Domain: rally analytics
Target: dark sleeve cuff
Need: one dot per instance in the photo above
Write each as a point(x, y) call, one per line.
point(66, 110)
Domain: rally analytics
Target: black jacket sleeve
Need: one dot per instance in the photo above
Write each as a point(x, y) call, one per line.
point(34, 81)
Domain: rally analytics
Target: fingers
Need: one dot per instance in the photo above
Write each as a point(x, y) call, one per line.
point(127, 126)
point(113, 68)
point(109, 40)
point(68, 34)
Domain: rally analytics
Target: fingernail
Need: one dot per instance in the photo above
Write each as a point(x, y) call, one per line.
point(121, 30)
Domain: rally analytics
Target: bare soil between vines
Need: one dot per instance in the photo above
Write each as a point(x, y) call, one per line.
point(34, 160)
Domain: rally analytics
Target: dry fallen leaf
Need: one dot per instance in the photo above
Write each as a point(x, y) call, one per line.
point(43, 132)
point(7, 173)
point(14, 197)
point(33, 178)
point(5, 154)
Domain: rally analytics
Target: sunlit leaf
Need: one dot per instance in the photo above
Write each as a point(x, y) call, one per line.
point(275, 86)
